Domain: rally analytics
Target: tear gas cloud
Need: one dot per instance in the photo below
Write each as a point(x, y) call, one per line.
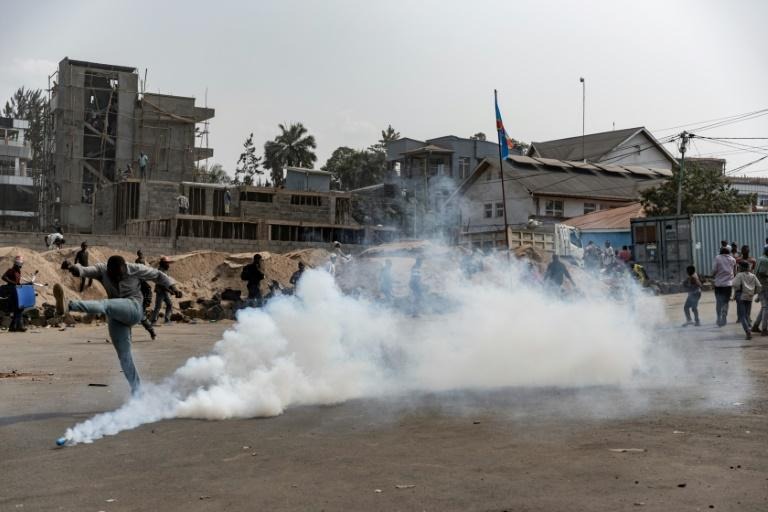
point(323, 347)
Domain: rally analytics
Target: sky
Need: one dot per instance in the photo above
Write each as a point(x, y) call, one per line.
point(346, 69)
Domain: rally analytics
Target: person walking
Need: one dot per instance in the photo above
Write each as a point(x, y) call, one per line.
point(722, 270)
point(146, 293)
point(692, 284)
point(162, 293)
point(123, 305)
point(761, 271)
point(253, 276)
point(745, 287)
point(12, 279)
point(81, 258)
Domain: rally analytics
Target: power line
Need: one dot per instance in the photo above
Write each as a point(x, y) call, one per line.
point(731, 117)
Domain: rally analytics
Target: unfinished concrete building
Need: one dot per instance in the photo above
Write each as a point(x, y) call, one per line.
point(102, 124)
point(18, 188)
point(304, 212)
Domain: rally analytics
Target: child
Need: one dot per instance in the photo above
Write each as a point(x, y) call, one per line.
point(745, 287)
point(693, 285)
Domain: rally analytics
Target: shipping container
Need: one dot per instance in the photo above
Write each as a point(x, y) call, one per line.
point(709, 229)
point(666, 245)
point(663, 246)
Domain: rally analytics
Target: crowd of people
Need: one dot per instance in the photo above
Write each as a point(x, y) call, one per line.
point(738, 277)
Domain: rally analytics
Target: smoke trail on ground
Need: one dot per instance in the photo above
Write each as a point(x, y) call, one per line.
point(323, 347)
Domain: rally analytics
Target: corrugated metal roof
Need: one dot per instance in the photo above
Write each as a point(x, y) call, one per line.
point(575, 182)
point(595, 145)
point(614, 218)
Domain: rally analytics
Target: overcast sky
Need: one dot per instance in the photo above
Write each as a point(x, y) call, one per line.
point(347, 69)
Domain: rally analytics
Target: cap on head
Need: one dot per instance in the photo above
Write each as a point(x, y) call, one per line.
point(337, 243)
point(18, 260)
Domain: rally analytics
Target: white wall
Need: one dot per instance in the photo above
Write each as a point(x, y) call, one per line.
point(642, 153)
point(472, 205)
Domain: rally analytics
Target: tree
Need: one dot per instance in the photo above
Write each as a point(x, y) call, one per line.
point(247, 164)
point(478, 136)
point(704, 191)
point(30, 105)
point(351, 168)
point(293, 147)
point(215, 174)
point(387, 136)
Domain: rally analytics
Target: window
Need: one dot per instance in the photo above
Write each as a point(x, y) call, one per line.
point(258, 197)
point(464, 163)
point(7, 166)
point(488, 210)
point(553, 208)
point(307, 200)
point(499, 209)
point(590, 207)
point(436, 167)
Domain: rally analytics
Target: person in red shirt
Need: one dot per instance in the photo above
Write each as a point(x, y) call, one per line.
point(12, 278)
point(625, 254)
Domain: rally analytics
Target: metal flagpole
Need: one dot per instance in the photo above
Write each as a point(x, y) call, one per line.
point(501, 172)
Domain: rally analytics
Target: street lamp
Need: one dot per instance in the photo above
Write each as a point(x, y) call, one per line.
point(583, 114)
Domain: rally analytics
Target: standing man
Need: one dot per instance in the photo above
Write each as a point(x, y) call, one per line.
point(227, 201)
point(253, 275)
point(183, 202)
point(12, 279)
point(123, 305)
point(163, 293)
point(592, 256)
point(556, 272)
point(81, 258)
point(143, 163)
point(608, 256)
point(722, 270)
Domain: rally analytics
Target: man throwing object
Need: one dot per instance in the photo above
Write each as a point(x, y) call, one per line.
point(123, 307)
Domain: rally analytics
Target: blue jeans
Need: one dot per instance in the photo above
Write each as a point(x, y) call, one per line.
point(161, 296)
point(121, 315)
point(692, 304)
point(745, 310)
point(722, 297)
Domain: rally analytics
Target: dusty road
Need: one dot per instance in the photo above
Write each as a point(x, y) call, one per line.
point(704, 443)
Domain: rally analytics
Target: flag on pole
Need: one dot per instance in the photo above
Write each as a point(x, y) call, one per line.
point(506, 142)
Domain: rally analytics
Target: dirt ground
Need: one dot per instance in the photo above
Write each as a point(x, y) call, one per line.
point(511, 449)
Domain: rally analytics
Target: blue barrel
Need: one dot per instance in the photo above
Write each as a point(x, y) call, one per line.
point(25, 296)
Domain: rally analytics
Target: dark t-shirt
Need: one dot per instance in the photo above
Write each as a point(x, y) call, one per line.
point(12, 274)
point(252, 274)
point(81, 258)
point(556, 271)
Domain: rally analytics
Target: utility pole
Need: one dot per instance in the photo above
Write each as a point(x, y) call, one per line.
point(583, 115)
point(684, 137)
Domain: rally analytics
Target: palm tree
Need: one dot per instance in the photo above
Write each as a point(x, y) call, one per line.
point(293, 147)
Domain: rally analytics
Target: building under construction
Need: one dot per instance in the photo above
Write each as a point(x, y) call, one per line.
point(102, 127)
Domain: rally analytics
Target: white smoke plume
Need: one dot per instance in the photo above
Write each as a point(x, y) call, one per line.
point(322, 347)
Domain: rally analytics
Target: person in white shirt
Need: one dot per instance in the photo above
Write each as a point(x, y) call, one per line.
point(723, 272)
